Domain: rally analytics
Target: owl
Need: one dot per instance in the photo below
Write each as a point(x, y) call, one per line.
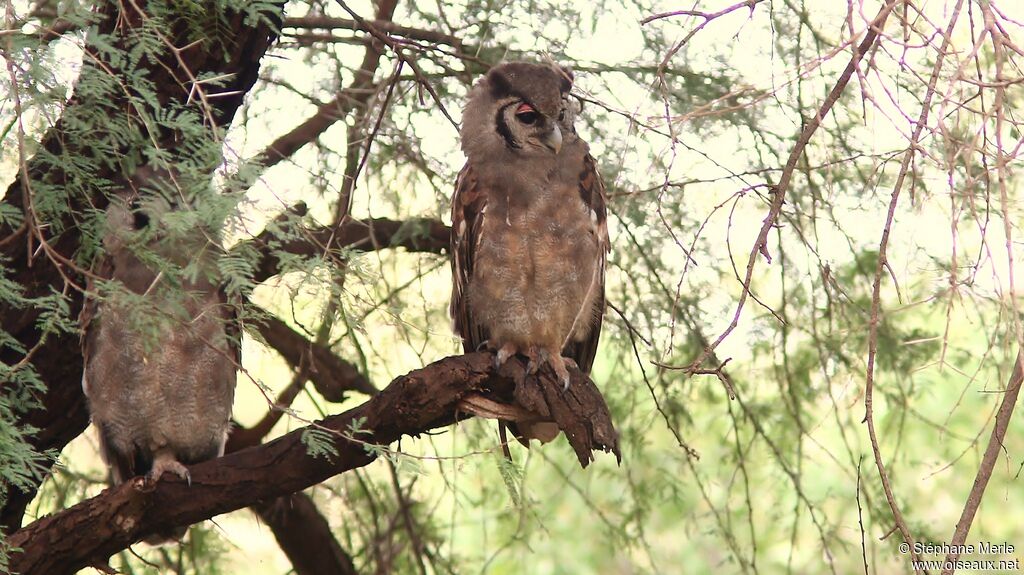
point(529, 224)
point(160, 345)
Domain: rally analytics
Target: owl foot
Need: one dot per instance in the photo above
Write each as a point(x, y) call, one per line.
point(557, 363)
point(167, 462)
point(532, 367)
point(561, 372)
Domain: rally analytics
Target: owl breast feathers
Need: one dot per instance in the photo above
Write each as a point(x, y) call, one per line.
point(160, 349)
point(529, 224)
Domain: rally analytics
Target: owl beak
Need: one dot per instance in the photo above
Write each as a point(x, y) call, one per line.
point(553, 139)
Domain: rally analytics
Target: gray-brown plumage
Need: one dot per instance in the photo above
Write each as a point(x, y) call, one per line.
point(529, 225)
point(160, 349)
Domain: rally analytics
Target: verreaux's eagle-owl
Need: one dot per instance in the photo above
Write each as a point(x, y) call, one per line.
point(160, 340)
point(529, 223)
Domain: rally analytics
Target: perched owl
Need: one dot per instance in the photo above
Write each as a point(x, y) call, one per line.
point(529, 224)
point(159, 345)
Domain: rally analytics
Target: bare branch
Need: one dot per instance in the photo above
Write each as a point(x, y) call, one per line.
point(416, 235)
point(403, 57)
point(707, 16)
point(356, 94)
point(988, 461)
point(328, 23)
point(876, 291)
point(760, 246)
point(304, 535)
point(332, 375)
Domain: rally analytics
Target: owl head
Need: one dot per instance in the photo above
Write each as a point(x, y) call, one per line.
point(517, 109)
point(156, 214)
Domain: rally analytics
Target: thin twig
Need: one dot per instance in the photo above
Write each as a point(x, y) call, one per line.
point(988, 461)
point(897, 515)
point(761, 243)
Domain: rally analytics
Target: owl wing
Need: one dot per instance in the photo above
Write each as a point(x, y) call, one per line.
point(90, 307)
point(118, 455)
point(232, 304)
point(591, 190)
point(469, 207)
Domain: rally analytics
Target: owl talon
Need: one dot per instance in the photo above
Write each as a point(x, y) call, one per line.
point(566, 379)
point(537, 359)
point(506, 351)
point(557, 363)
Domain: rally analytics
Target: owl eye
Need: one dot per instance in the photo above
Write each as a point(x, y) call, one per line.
point(526, 114)
point(561, 115)
point(140, 218)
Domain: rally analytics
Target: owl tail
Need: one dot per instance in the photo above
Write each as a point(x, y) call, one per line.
point(503, 436)
point(542, 431)
point(121, 463)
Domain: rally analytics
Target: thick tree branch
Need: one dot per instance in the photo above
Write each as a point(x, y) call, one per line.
point(331, 375)
point(420, 401)
point(328, 23)
point(415, 235)
point(304, 535)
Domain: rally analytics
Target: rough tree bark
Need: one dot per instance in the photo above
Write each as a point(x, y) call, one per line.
point(425, 399)
point(415, 235)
